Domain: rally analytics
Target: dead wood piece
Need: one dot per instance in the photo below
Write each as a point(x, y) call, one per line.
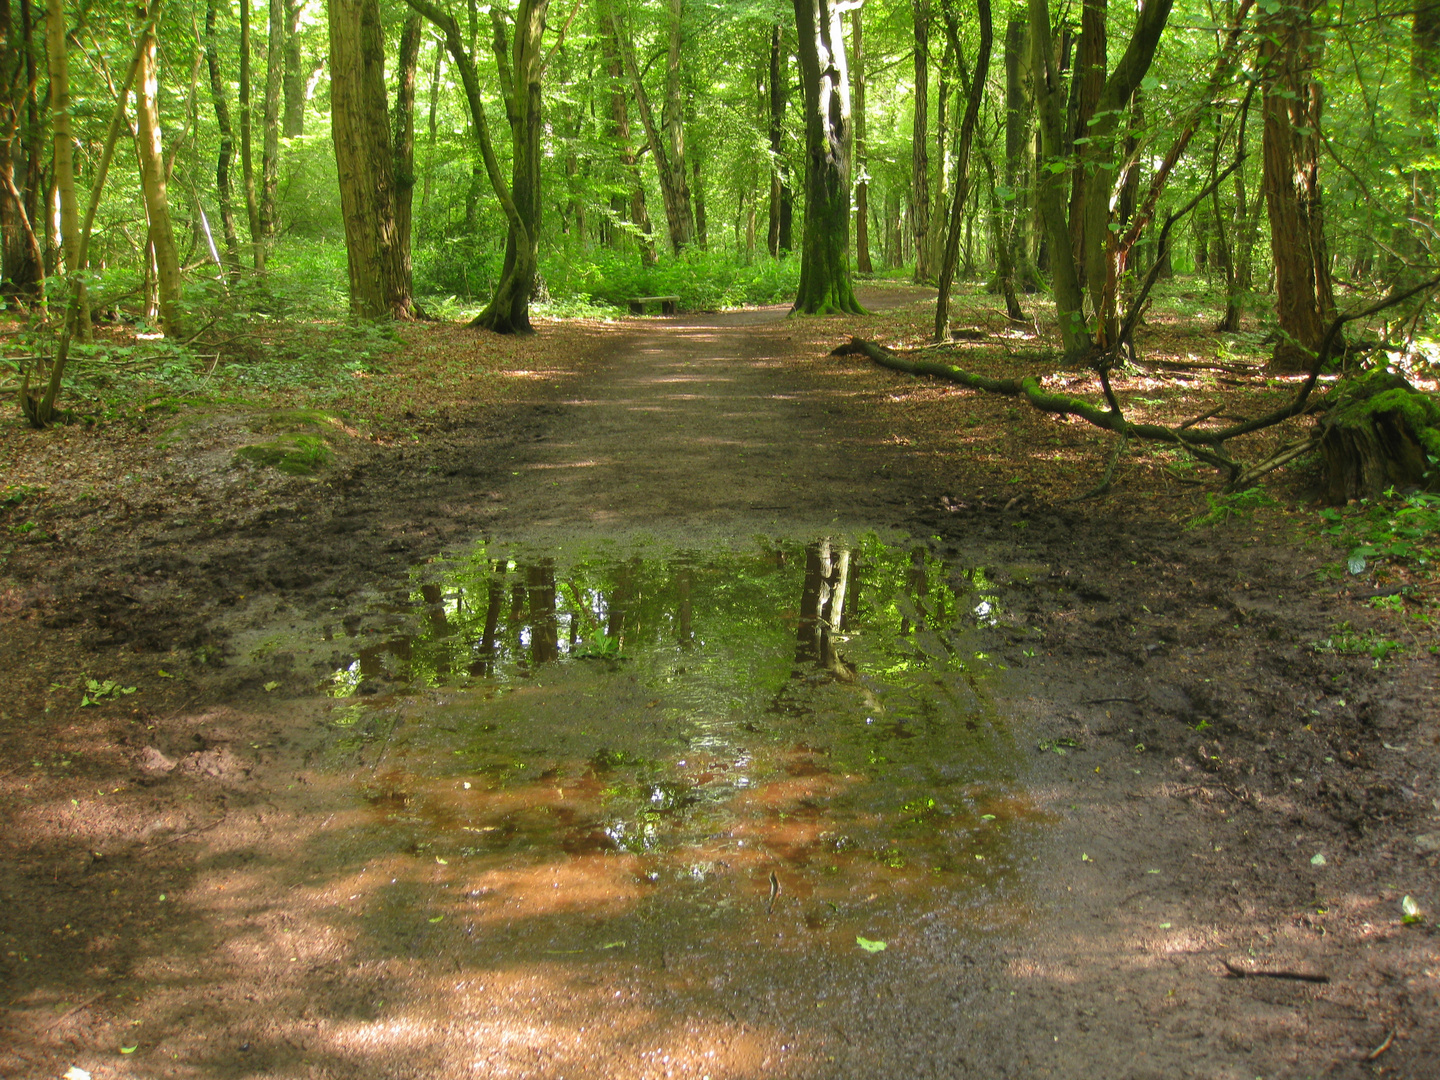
point(1373, 1054)
point(1299, 976)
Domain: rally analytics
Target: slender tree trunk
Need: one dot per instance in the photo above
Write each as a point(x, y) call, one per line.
point(781, 200)
point(227, 143)
point(1424, 84)
point(520, 79)
point(862, 183)
point(674, 189)
point(697, 190)
point(675, 125)
point(509, 309)
point(920, 142)
point(402, 139)
point(294, 77)
point(270, 147)
point(427, 189)
point(973, 101)
point(23, 257)
point(1087, 83)
point(247, 156)
point(825, 284)
point(1049, 190)
point(379, 285)
point(637, 213)
point(64, 161)
point(1015, 197)
point(1290, 51)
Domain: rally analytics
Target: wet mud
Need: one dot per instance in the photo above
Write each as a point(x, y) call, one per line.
point(686, 723)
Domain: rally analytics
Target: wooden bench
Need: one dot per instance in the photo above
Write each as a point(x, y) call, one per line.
point(669, 305)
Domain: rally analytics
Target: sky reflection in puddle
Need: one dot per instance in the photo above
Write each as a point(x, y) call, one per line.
point(817, 719)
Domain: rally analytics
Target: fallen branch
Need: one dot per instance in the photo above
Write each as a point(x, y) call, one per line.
point(1299, 976)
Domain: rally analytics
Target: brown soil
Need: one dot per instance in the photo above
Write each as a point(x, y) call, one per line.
point(174, 879)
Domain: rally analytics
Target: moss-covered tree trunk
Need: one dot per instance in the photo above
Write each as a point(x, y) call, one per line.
point(825, 285)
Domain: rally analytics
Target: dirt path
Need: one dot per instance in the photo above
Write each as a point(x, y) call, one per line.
point(1105, 773)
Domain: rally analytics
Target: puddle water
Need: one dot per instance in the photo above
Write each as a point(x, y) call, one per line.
point(806, 732)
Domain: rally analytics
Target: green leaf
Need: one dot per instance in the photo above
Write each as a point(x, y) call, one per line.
point(271, 686)
point(1356, 562)
point(870, 946)
point(1317, 859)
point(129, 1049)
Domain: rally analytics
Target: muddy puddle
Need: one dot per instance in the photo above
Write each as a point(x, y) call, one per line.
point(597, 752)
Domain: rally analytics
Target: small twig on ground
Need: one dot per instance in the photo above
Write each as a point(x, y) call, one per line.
point(96, 997)
point(1373, 1054)
point(1108, 700)
point(1300, 976)
point(182, 836)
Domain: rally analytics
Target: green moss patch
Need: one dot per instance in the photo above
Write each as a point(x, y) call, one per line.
point(292, 454)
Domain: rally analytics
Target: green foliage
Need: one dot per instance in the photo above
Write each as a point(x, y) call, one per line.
point(1237, 504)
point(1402, 529)
point(1346, 639)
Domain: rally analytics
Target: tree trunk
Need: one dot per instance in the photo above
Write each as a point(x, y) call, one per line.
point(270, 152)
point(379, 285)
point(920, 143)
point(227, 144)
point(781, 224)
point(674, 115)
point(973, 100)
point(427, 189)
point(294, 78)
point(825, 285)
point(674, 190)
point(1290, 50)
point(520, 79)
point(702, 239)
point(1015, 198)
point(1424, 82)
point(1049, 190)
point(64, 161)
point(862, 182)
point(23, 258)
point(402, 139)
point(1087, 83)
point(247, 155)
point(637, 213)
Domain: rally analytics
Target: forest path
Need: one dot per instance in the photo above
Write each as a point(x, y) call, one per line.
point(502, 756)
point(694, 427)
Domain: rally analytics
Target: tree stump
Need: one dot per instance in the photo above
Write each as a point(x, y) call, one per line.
point(1379, 432)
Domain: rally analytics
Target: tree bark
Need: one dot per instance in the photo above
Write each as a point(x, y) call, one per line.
point(862, 182)
point(1087, 83)
point(227, 143)
point(520, 80)
point(294, 77)
point(402, 139)
point(379, 284)
point(64, 161)
point(674, 188)
point(154, 187)
point(825, 285)
point(1424, 83)
point(509, 309)
point(1290, 50)
point(633, 208)
point(781, 223)
point(270, 151)
point(23, 258)
point(920, 143)
point(247, 154)
point(973, 100)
